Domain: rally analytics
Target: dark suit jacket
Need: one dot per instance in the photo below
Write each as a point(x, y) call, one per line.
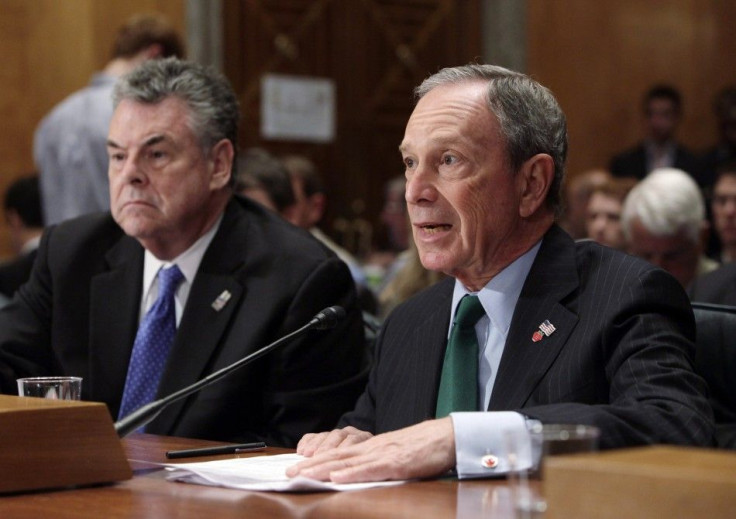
point(633, 163)
point(620, 358)
point(78, 315)
point(16, 272)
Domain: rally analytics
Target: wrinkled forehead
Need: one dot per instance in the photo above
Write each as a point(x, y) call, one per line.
point(447, 111)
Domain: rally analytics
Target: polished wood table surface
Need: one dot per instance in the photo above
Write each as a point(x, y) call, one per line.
point(149, 495)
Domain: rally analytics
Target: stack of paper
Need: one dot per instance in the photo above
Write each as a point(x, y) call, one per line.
point(258, 473)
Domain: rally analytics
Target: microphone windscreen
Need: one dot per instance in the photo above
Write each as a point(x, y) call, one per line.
point(329, 317)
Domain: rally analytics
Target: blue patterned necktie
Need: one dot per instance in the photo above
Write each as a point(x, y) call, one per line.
point(459, 383)
point(152, 344)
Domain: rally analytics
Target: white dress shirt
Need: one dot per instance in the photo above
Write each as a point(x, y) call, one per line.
point(188, 262)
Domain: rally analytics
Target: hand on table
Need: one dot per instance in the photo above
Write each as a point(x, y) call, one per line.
point(350, 455)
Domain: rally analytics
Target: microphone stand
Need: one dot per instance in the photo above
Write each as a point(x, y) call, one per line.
point(325, 319)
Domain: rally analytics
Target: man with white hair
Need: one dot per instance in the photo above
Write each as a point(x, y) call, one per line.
point(663, 220)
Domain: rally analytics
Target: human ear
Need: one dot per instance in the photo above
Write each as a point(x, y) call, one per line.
point(535, 179)
point(221, 157)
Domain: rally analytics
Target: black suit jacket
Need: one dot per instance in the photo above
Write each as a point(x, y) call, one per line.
point(620, 358)
point(16, 272)
point(78, 315)
point(633, 163)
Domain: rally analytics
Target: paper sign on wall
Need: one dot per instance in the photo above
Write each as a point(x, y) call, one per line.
point(297, 108)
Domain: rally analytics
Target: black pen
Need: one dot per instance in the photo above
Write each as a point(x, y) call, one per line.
point(213, 451)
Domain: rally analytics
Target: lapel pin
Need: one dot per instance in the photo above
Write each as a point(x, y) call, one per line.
point(219, 303)
point(545, 330)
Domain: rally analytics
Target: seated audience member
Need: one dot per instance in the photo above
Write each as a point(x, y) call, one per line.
point(663, 220)
point(603, 218)
point(182, 279)
point(22, 205)
point(576, 194)
point(566, 332)
point(263, 178)
point(69, 146)
point(307, 212)
point(396, 220)
point(724, 150)
point(723, 209)
point(662, 108)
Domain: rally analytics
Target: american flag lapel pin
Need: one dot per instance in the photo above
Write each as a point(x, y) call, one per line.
point(219, 303)
point(545, 330)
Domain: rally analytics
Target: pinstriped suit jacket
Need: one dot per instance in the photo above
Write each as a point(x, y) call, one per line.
point(620, 358)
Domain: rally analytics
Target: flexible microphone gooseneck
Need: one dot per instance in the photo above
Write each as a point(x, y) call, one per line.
point(324, 320)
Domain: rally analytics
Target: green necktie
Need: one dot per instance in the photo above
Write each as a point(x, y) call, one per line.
point(459, 382)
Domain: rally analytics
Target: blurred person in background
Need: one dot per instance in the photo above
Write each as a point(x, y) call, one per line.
point(22, 206)
point(723, 208)
point(663, 220)
point(576, 193)
point(69, 146)
point(309, 207)
point(662, 110)
point(262, 177)
point(724, 151)
point(603, 215)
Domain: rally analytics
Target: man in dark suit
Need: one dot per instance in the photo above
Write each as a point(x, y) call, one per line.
point(246, 278)
point(662, 108)
point(567, 333)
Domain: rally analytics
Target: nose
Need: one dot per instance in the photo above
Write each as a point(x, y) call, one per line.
point(131, 172)
point(420, 186)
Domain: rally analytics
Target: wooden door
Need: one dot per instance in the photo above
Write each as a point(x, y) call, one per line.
point(376, 52)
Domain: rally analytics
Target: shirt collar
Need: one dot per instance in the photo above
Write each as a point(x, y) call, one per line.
point(188, 261)
point(500, 295)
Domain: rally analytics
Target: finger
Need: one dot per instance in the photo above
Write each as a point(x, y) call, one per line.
point(316, 468)
point(349, 436)
point(364, 470)
point(321, 442)
point(309, 443)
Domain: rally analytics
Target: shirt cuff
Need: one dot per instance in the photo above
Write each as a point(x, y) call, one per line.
point(483, 439)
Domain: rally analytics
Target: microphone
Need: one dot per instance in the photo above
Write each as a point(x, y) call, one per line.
point(324, 320)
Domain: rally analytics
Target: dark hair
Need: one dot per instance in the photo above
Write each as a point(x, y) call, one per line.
point(727, 167)
point(663, 92)
point(301, 167)
point(259, 169)
point(530, 118)
point(23, 196)
point(142, 31)
point(616, 187)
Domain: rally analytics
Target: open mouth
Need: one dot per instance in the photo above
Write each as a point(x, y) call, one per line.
point(432, 228)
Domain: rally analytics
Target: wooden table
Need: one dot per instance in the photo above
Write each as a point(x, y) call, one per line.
point(149, 495)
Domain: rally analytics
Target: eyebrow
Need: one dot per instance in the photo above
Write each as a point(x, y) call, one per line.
point(151, 141)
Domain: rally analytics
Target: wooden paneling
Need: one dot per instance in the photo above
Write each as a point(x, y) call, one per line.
point(376, 51)
point(600, 57)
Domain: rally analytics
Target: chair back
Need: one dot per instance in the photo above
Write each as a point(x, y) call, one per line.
point(715, 357)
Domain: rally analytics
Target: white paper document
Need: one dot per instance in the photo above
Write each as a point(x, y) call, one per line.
point(258, 473)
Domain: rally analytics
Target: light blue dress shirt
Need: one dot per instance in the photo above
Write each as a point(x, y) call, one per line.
point(482, 434)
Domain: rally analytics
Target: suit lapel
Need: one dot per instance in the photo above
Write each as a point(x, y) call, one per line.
point(204, 321)
point(430, 342)
point(524, 362)
point(115, 297)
